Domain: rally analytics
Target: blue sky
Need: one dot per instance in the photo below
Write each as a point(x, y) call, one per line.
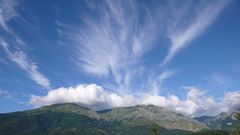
point(102, 54)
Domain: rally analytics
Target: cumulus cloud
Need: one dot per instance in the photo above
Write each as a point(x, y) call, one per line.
point(196, 103)
point(231, 100)
point(91, 95)
point(20, 58)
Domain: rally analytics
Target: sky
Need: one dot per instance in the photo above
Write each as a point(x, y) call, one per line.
point(181, 55)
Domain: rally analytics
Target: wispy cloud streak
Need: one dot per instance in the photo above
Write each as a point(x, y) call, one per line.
point(181, 37)
point(112, 43)
point(156, 84)
point(7, 12)
point(20, 58)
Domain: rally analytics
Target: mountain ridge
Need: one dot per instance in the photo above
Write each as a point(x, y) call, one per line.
point(74, 119)
point(224, 120)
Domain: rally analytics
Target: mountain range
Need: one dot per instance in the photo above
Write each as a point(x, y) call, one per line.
point(224, 121)
point(69, 118)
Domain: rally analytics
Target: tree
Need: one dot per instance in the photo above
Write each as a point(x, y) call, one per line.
point(238, 116)
point(154, 129)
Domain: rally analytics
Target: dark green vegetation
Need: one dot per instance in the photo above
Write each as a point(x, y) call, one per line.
point(212, 132)
point(237, 125)
point(154, 129)
point(71, 119)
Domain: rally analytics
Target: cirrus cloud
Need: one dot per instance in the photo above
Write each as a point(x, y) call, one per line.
point(21, 59)
point(113, 44)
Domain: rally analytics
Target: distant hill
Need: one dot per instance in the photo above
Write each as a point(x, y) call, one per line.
point(223, 121)
point(66, 119)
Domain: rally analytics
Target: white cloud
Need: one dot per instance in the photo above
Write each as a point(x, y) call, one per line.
point(113, 43)
point(166, 75)
point(7, 12)
point(181, 37)
point(231, 100)
point(104, 43)
point(91, 95)
point(27, 65)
